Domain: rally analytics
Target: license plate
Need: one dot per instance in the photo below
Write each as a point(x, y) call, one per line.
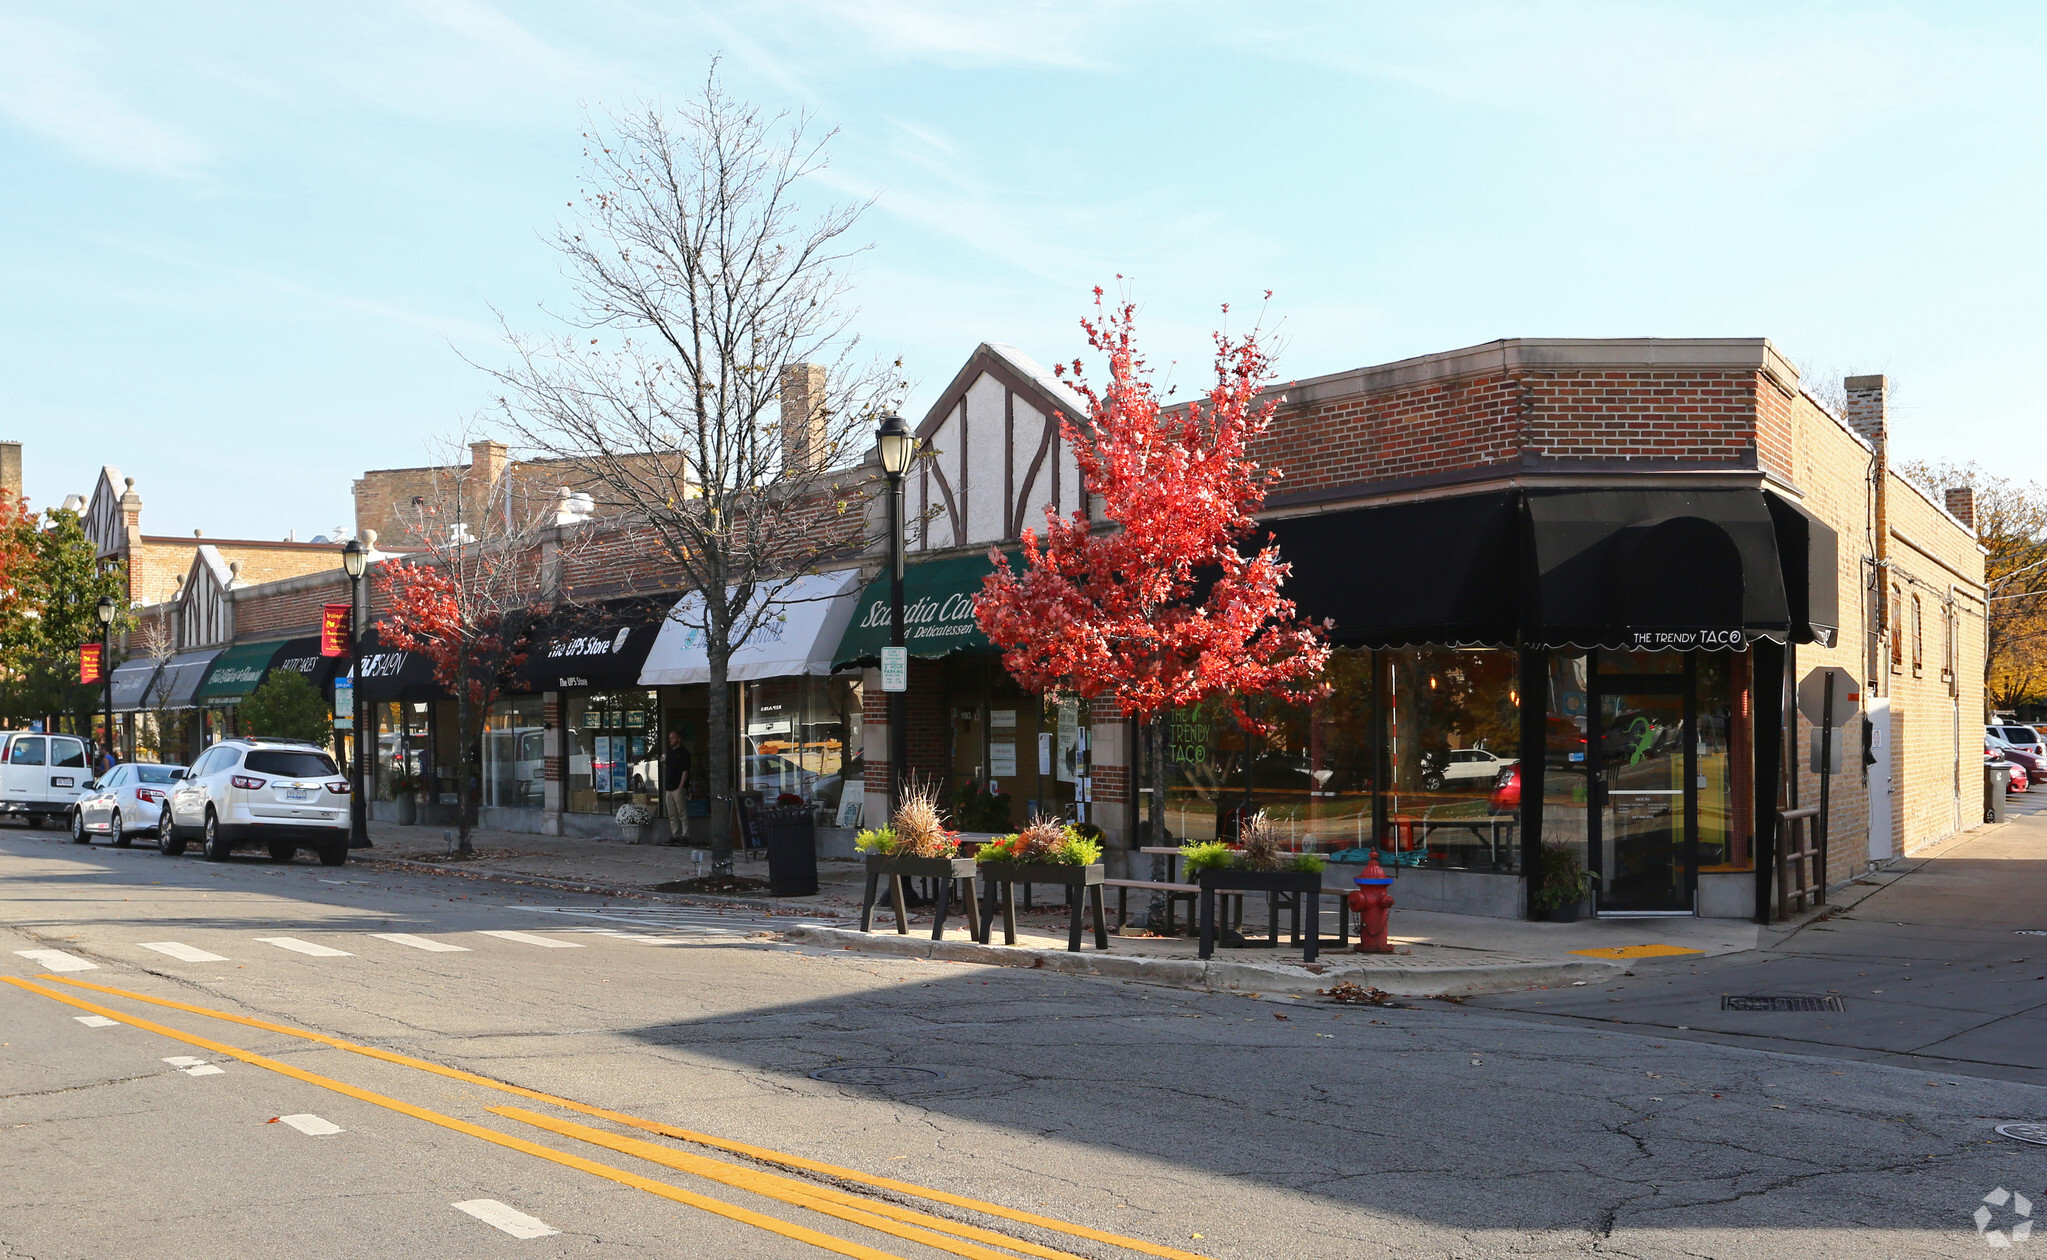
point(56, 781)
point(298, 794)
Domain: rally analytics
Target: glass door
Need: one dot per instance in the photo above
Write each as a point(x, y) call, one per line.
point(1645, 819)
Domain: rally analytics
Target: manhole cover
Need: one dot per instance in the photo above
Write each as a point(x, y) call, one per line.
point(852, 1074)
point(1729, 1002)
point(2034, 1133)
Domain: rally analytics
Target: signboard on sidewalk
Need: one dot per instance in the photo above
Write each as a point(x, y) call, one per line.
point(895, 669)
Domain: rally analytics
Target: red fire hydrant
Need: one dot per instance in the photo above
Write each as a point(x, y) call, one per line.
point(1373, 902)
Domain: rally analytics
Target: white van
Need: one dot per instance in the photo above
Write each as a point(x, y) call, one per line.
point(41, 776)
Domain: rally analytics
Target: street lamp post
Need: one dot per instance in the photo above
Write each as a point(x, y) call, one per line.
point(355, 558)
point(897, 445)
point(105, 612)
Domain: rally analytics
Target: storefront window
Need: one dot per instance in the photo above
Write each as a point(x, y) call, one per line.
point(1564, 783)
point(1010, 753)
point(1453, 731)
point(514, 739)
point(613, 750)
point(401, 761)
point(802, 737)
point(1723, 745)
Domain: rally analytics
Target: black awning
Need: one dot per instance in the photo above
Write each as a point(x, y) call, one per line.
point(1441, 571)
point(302, 657)
point(389, 673)
point(1651, 569)
point(1811, 555)
point(602, 645)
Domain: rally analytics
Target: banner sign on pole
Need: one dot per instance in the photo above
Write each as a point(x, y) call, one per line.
point(334, 619)
point(895, 669)
point(91, 664)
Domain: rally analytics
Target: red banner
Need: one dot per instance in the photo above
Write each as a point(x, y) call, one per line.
point(334, 619)
point(90, 664)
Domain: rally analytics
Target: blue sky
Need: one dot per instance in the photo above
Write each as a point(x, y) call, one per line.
point(243, 247)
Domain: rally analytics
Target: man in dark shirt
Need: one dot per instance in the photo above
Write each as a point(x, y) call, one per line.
point(675, 788)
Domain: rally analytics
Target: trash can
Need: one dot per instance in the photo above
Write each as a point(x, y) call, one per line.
point(1996, 778)
point(790, 834)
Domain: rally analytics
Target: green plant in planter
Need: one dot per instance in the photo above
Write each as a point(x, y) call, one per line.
point(876, 841)
point(1077, 850)
point(1562, 880)
point(1308, 863)
point(1209, 855)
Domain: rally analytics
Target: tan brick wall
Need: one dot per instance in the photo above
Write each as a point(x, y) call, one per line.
point(384, 497)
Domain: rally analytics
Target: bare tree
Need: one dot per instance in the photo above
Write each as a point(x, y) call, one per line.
point(704, 289)
point(2011, 523)
point(159, 643)
point(470, 593)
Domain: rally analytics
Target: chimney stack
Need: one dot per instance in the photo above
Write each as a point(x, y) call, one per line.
point(10, 470)
point(1865, 410)
point(804, 428)
point(487, 460)
point(1865, 415)
point(1961, 504)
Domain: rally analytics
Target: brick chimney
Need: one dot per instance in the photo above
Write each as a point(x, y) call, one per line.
point(487, 460)
point(804, 427)
point(1865, 415)
point(1865, 409)
point(1961, 504)
point(10, 469)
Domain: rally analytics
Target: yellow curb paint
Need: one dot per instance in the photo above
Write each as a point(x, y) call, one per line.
point(595, 1169)
point(762, 1154)
point(840, 1203)
point(1637, 951)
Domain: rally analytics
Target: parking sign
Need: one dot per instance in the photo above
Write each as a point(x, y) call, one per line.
point(895, 669)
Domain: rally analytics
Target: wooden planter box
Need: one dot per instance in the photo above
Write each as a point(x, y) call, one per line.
point(1304, 886)
point(897, 869)
point(1083, 885)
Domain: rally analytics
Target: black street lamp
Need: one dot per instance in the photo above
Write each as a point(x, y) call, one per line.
point(355, 558)
point(105, 612)
point(897, 445)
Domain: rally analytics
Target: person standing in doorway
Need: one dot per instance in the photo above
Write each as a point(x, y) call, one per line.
point(675, 788)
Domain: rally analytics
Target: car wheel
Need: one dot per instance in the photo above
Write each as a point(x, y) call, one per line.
point(120, 832)
point(211, 842)
point(78, 833)
point(168, 841)
point(1432, 781)
point(283, 852)
point(334, 855)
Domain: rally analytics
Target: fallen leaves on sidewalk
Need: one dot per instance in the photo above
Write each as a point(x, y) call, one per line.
point(1351, 993)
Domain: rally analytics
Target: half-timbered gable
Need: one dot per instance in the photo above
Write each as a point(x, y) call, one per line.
point(997, 459)
point(105, 523)
point(206, 615)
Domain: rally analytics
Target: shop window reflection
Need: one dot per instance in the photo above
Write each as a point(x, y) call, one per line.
point(612, 754)
point(799, 733)
point(514, 742)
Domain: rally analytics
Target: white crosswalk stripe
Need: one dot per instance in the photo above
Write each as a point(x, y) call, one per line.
point(420, 942)
point(495, 1214)
point(193, 1067)
point(96, 1021)
point(525, 938)
point(297, 946)
point(311, 1126)
point(57, 960)
point(181, 951)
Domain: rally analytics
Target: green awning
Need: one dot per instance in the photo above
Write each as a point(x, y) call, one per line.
point(938, 611)
point(236, 672)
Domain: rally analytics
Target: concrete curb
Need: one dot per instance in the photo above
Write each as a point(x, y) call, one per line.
point(1228, 976)
point(602, 890)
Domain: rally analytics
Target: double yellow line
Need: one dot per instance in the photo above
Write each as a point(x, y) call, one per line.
point(940, 1233)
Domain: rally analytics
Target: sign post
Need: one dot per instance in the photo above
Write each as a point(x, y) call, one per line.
point(1827, 697)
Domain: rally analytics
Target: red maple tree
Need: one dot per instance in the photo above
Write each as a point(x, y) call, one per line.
point(1168, 609)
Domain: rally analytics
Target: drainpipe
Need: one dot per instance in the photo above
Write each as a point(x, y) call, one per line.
point(1865, 414)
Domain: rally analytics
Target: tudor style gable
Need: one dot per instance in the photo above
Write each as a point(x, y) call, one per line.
point(107, 518)
point(997, 457)
point(205, 614)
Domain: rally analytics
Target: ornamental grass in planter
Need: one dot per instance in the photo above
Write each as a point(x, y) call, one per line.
point(1259, 864)
point(916, 845)
point(1047, 851)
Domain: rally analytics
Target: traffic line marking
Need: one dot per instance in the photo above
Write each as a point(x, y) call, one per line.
point(311, 1126)
point(96, 1021)
point(421, 942)
point(193, 1067)
point(56, 960)
point(182, 952)
point(516, 1223)
point(718, 1207)
point(297, 946)
point(761, 1154)
point(1636, 951)
point(527, 938)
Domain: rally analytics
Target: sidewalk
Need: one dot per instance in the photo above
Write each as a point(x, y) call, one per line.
point(1442, 953)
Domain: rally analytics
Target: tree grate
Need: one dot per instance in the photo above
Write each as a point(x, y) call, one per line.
point(1728, 1002)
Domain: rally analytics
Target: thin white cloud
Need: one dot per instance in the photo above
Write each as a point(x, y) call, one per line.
point(1054, 33)
point(49, 87)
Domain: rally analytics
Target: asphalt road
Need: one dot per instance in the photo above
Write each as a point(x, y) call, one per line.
point(1212, 1125)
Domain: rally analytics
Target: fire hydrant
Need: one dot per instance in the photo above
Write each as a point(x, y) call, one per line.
point(1373, 902)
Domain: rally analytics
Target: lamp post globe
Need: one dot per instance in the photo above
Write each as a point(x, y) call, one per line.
point(897, 445)
point(105, 610)
point(354, 559)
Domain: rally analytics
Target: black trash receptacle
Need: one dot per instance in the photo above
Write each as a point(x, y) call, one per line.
point(790, 833)
point(1996, 779)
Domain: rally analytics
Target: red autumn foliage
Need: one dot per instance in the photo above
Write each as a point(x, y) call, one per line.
point(468, 648)
point(1164, 611)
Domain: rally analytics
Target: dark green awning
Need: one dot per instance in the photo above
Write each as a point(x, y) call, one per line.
point(236, 672)
point(938, 611)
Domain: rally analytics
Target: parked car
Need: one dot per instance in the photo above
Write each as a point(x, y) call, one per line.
point(773, 775)
point(2018, 780)
point(1461, 766)
point(2024, 738)
point(1506, 797)
point(282, 794)
point(2018, 755)
point(41, 776)
point(126, 800)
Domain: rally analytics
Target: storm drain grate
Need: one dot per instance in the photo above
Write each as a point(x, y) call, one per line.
point(2034, 1133)
point(881, 1074)
point(1728, 1002)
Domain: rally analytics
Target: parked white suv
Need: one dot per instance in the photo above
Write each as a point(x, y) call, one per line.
point(41, 776)
point(278, 793)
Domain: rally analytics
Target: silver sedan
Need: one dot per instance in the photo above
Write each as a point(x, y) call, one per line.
point(126, 800)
